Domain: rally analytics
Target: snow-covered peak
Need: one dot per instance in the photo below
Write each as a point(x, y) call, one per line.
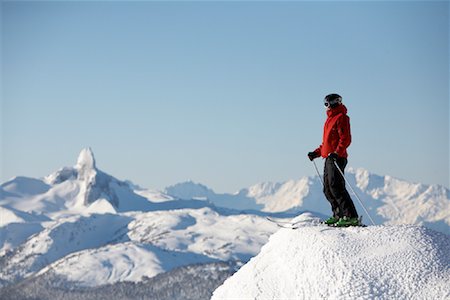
point(86, 160)
point(73, 190)
point(189, 190)
point(278, 197)
point(263, 189)
point(319, 262)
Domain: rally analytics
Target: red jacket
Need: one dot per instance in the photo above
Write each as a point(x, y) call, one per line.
point(336, 133)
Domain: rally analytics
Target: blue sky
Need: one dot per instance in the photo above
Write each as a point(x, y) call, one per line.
point(224, 93)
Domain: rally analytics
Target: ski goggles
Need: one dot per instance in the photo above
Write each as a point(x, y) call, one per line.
point(335, 101)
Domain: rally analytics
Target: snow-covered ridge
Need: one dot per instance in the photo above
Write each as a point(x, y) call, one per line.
point(319, 262)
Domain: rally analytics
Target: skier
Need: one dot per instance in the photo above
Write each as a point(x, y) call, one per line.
point(336, 139)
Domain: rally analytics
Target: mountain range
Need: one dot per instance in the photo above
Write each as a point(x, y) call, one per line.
point(388, 200)
point(85, 228)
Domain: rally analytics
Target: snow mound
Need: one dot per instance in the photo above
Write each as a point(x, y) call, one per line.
point(319, 262)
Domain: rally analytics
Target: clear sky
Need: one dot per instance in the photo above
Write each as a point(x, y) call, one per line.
point(224, 93)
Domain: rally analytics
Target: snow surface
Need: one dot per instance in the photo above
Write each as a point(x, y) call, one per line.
point(319, 262)
point(203, 231)
point(8, 216)
point(16, 226)
point(61, 238)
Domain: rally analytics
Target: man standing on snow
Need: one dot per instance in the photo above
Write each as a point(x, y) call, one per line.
point(336, 139)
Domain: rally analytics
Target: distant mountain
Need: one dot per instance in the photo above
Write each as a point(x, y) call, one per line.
point(388, 200)
point(71, 188)
point(83, 188)
point(319, 262)
point(191, 190)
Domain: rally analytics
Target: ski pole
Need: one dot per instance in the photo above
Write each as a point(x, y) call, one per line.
point(346, 181)
point(318, 174)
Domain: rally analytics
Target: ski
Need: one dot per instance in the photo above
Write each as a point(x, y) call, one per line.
point(295, 225)
point(278, 221)
point(287, 226)
point(282, 222)
point(292, 225)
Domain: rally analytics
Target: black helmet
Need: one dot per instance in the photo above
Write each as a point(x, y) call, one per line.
point(332, 100)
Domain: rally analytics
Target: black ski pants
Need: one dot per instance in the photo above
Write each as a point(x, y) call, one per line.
point(335, 191)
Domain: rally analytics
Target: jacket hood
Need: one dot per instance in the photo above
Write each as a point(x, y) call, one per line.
point(340, 109)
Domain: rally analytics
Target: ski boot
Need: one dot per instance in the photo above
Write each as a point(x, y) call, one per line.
point(346, 222)
point(331, 221)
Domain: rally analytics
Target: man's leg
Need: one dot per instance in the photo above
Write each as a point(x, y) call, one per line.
point(339, 191)
point(328, 174)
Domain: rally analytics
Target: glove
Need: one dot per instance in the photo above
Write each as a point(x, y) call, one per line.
point(312, 155)
point(333, 156)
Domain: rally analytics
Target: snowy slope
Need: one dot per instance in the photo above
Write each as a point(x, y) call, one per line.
point(61, 238)
point(203, 231)
point(106, 248)
point(128, 247)
point(319, 262)
point(127, 261)
point(13, 216)
point(16, 226)
point(23, 186)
